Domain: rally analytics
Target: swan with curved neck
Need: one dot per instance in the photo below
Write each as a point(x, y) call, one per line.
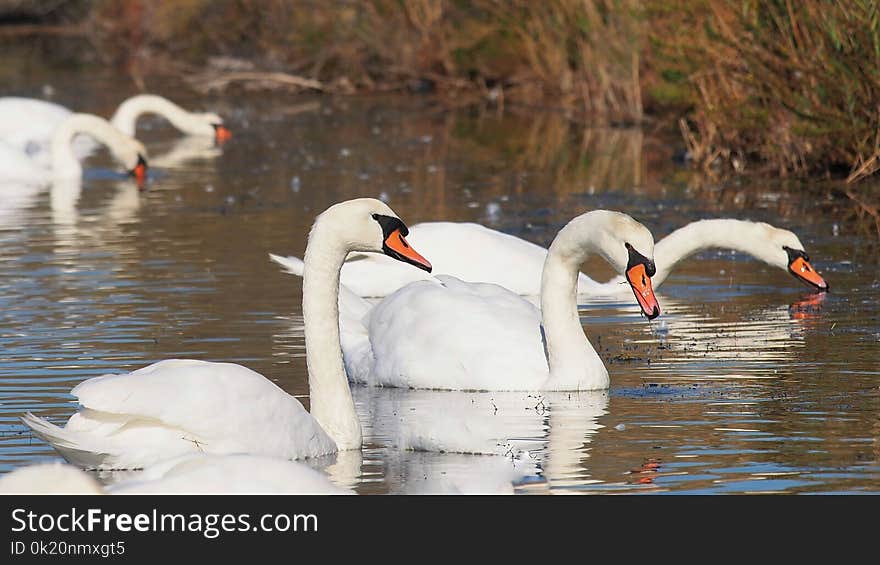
point(129, 152)
point(492, 253)
point(175, 407)
point(27, 124)
point(445, 333)
point(206, 124)
point(774, 246)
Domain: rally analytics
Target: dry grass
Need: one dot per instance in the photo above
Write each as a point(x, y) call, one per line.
point(578, 55)
point(788, 87)
point(793, 85)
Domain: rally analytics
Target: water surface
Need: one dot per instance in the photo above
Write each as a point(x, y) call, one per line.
point(748, 382)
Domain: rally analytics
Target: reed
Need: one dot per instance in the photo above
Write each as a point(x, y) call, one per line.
point(789, 87)
point(793, 86)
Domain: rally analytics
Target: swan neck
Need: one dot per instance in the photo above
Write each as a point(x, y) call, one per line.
point(705, 234)
point(330, 397)
point(64, 161)
point(570, 355)
point(126, 116)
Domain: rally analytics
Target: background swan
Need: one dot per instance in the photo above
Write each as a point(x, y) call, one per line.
point(444, 333)
point(27, 124)
point(17, 165)
point(491, 255)
point(176, 407)
point(190, 474)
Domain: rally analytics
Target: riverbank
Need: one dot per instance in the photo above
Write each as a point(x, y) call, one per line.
point(761, 89)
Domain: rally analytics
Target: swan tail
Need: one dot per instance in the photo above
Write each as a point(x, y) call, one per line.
point(64, 441)
point(293, 265)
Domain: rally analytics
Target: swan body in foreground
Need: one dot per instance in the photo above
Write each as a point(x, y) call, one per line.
point(190, 474)
point(18, 166)
point(514, 263)
point(445, 333)
point(177, 407)
point(27, 124)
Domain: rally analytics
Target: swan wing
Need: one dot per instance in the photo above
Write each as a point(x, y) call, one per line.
point(456, 335)
point(178, 406)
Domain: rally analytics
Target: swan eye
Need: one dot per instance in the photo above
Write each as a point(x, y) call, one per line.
point(390, 224)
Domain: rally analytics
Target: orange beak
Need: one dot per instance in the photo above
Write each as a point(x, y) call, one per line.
point(222, 134)
point(640, 283)
point(398, 248)
point(139, 172)
point(804, 272)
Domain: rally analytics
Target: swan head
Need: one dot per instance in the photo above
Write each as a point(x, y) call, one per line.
point(209, 124)
point(628, 246)
point(370, 225)
point(785, 251)
point(133, 156)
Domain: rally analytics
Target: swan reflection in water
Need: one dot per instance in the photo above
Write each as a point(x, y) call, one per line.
point(435, 442)
point(694, 344)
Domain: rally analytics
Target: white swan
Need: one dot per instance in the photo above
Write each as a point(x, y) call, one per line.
point(27, 124)
point(197, 473)
point(448, 334)
point(176, 407)
point(18, 166)
point(516, 264)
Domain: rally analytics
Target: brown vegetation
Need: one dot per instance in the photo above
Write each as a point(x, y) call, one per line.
point(781, 86)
